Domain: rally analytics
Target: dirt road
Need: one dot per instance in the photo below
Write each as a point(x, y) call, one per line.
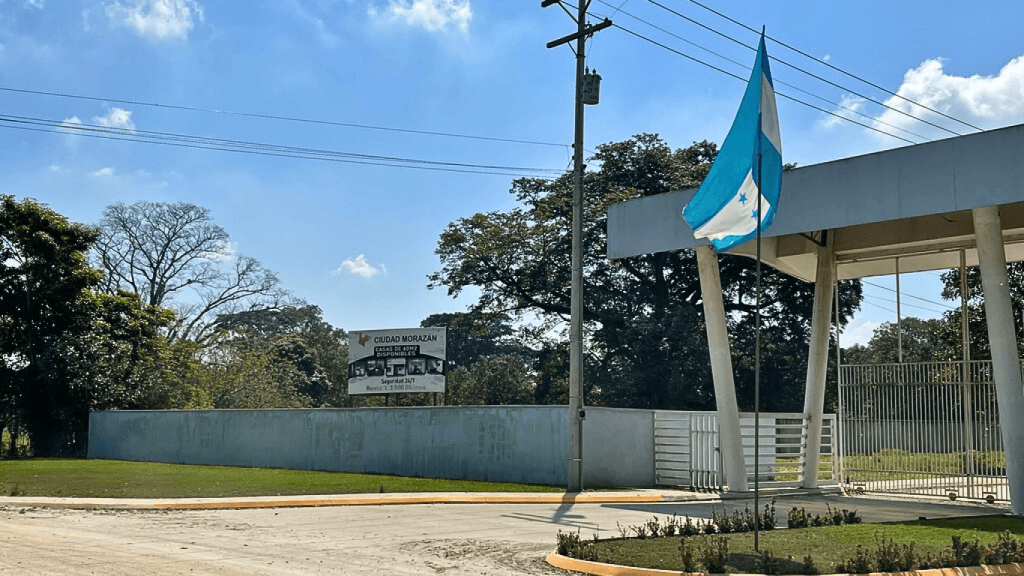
point(456, 539)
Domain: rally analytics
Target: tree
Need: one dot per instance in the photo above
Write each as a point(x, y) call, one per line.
point(472, 337)
point(174, 255)
point(65, 349)
point(923, 341)
point(647, 345)
point(505, 379)
point(300, 336)
point(977, 324)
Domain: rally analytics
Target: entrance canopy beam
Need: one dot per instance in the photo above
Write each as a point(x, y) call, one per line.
point(913, 203)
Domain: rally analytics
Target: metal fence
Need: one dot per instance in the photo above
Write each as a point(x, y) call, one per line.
point(922, 428)
point(687, 450)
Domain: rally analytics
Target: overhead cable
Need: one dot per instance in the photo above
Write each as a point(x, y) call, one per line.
point(840, 70)
point(777, 81)
point(799, 69)
point(777, 93)
point(263, 149)
point(276, 117)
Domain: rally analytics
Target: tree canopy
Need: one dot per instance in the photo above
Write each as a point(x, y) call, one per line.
point(174, 255)
point(646, 345)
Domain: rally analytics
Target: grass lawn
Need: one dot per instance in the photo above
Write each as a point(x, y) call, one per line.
point(117, 479)
point(827, 545)
point(892, 464)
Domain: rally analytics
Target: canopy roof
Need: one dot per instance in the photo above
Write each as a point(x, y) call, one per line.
point(912, 204)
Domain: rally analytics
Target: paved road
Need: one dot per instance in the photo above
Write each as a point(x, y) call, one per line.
point(456, 539)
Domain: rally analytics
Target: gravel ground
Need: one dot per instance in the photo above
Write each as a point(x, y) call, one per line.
point(457, 539)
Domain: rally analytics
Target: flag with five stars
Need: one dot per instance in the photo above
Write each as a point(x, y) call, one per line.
point(724, 209)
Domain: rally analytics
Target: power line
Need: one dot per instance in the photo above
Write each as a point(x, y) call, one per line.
point(877, 306)
point(837, 69)
point(246, 147)
point(943, 304)
point(908, 305)
point(742, 65)
point(777, 93)
point(799, 69)
point(276, 117)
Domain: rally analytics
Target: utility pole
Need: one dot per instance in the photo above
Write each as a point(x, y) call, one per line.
point(576, 413)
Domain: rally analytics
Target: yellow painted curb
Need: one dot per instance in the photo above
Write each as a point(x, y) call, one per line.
point(354, 501)
point(601, 569)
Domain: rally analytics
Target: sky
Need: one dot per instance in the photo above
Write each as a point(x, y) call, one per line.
point(358, 240)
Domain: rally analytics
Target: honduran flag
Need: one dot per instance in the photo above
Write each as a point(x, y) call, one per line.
point(724, 209)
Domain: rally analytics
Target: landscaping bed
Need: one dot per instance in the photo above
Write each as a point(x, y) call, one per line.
point(830, 544)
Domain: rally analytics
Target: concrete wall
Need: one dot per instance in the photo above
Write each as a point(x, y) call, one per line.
point(618, 448)
point(527, 444)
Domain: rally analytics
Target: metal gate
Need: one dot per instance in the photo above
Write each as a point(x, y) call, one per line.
point(922, 428)
point(687, 451)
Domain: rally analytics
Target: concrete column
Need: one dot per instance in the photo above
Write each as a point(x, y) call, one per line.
point(817, 363)
point(721, 370)
point(988, 233)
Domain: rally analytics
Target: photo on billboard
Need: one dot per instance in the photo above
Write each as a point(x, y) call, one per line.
point(397, 361)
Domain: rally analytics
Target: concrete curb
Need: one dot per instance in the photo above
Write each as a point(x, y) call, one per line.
point(349, 500)
point(601, 569)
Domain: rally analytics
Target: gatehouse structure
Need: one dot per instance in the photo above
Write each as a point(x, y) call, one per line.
point(923, 207)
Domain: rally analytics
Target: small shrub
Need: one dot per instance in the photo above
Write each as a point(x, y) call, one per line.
point(688, 528)
point(654, 527)
point(571, 545)
point(798, 518)
point(623, 532)
point(769, 563)
point(851, 517)
point(707, 527)
point(640, 530)
point(966, 553)
point(671, 526)
point(809, 568)
point(859, 564)
point(893, 557)
point(766, 520)
point(834, 517)
point(713, 554)
point(686, 557)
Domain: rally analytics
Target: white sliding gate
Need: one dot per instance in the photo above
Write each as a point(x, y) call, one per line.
point(922, 428)
point(687, 451)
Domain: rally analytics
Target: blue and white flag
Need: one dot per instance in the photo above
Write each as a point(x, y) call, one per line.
point(724, 209)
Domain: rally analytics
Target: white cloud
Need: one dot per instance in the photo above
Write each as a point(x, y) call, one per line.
point(858, 333)
point(985, 101)
point(327, 38)
point(431, 15)
point(849, 106)
point(102, 172)
point(115, 118)
point(157, 19)
point(67, 127)
point(359, 266)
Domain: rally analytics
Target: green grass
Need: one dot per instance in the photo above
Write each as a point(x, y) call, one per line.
point(895, 464)
point(828, 545)
point(117, 479)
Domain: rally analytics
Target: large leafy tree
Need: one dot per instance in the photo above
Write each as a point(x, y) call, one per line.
point(644, 320)
point(299, 337)
point(977, 324)
point(65, 349)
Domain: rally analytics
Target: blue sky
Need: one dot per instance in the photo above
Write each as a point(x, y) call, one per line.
point(359, 240)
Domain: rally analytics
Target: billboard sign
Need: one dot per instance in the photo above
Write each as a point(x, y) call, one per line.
point(395, 361)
